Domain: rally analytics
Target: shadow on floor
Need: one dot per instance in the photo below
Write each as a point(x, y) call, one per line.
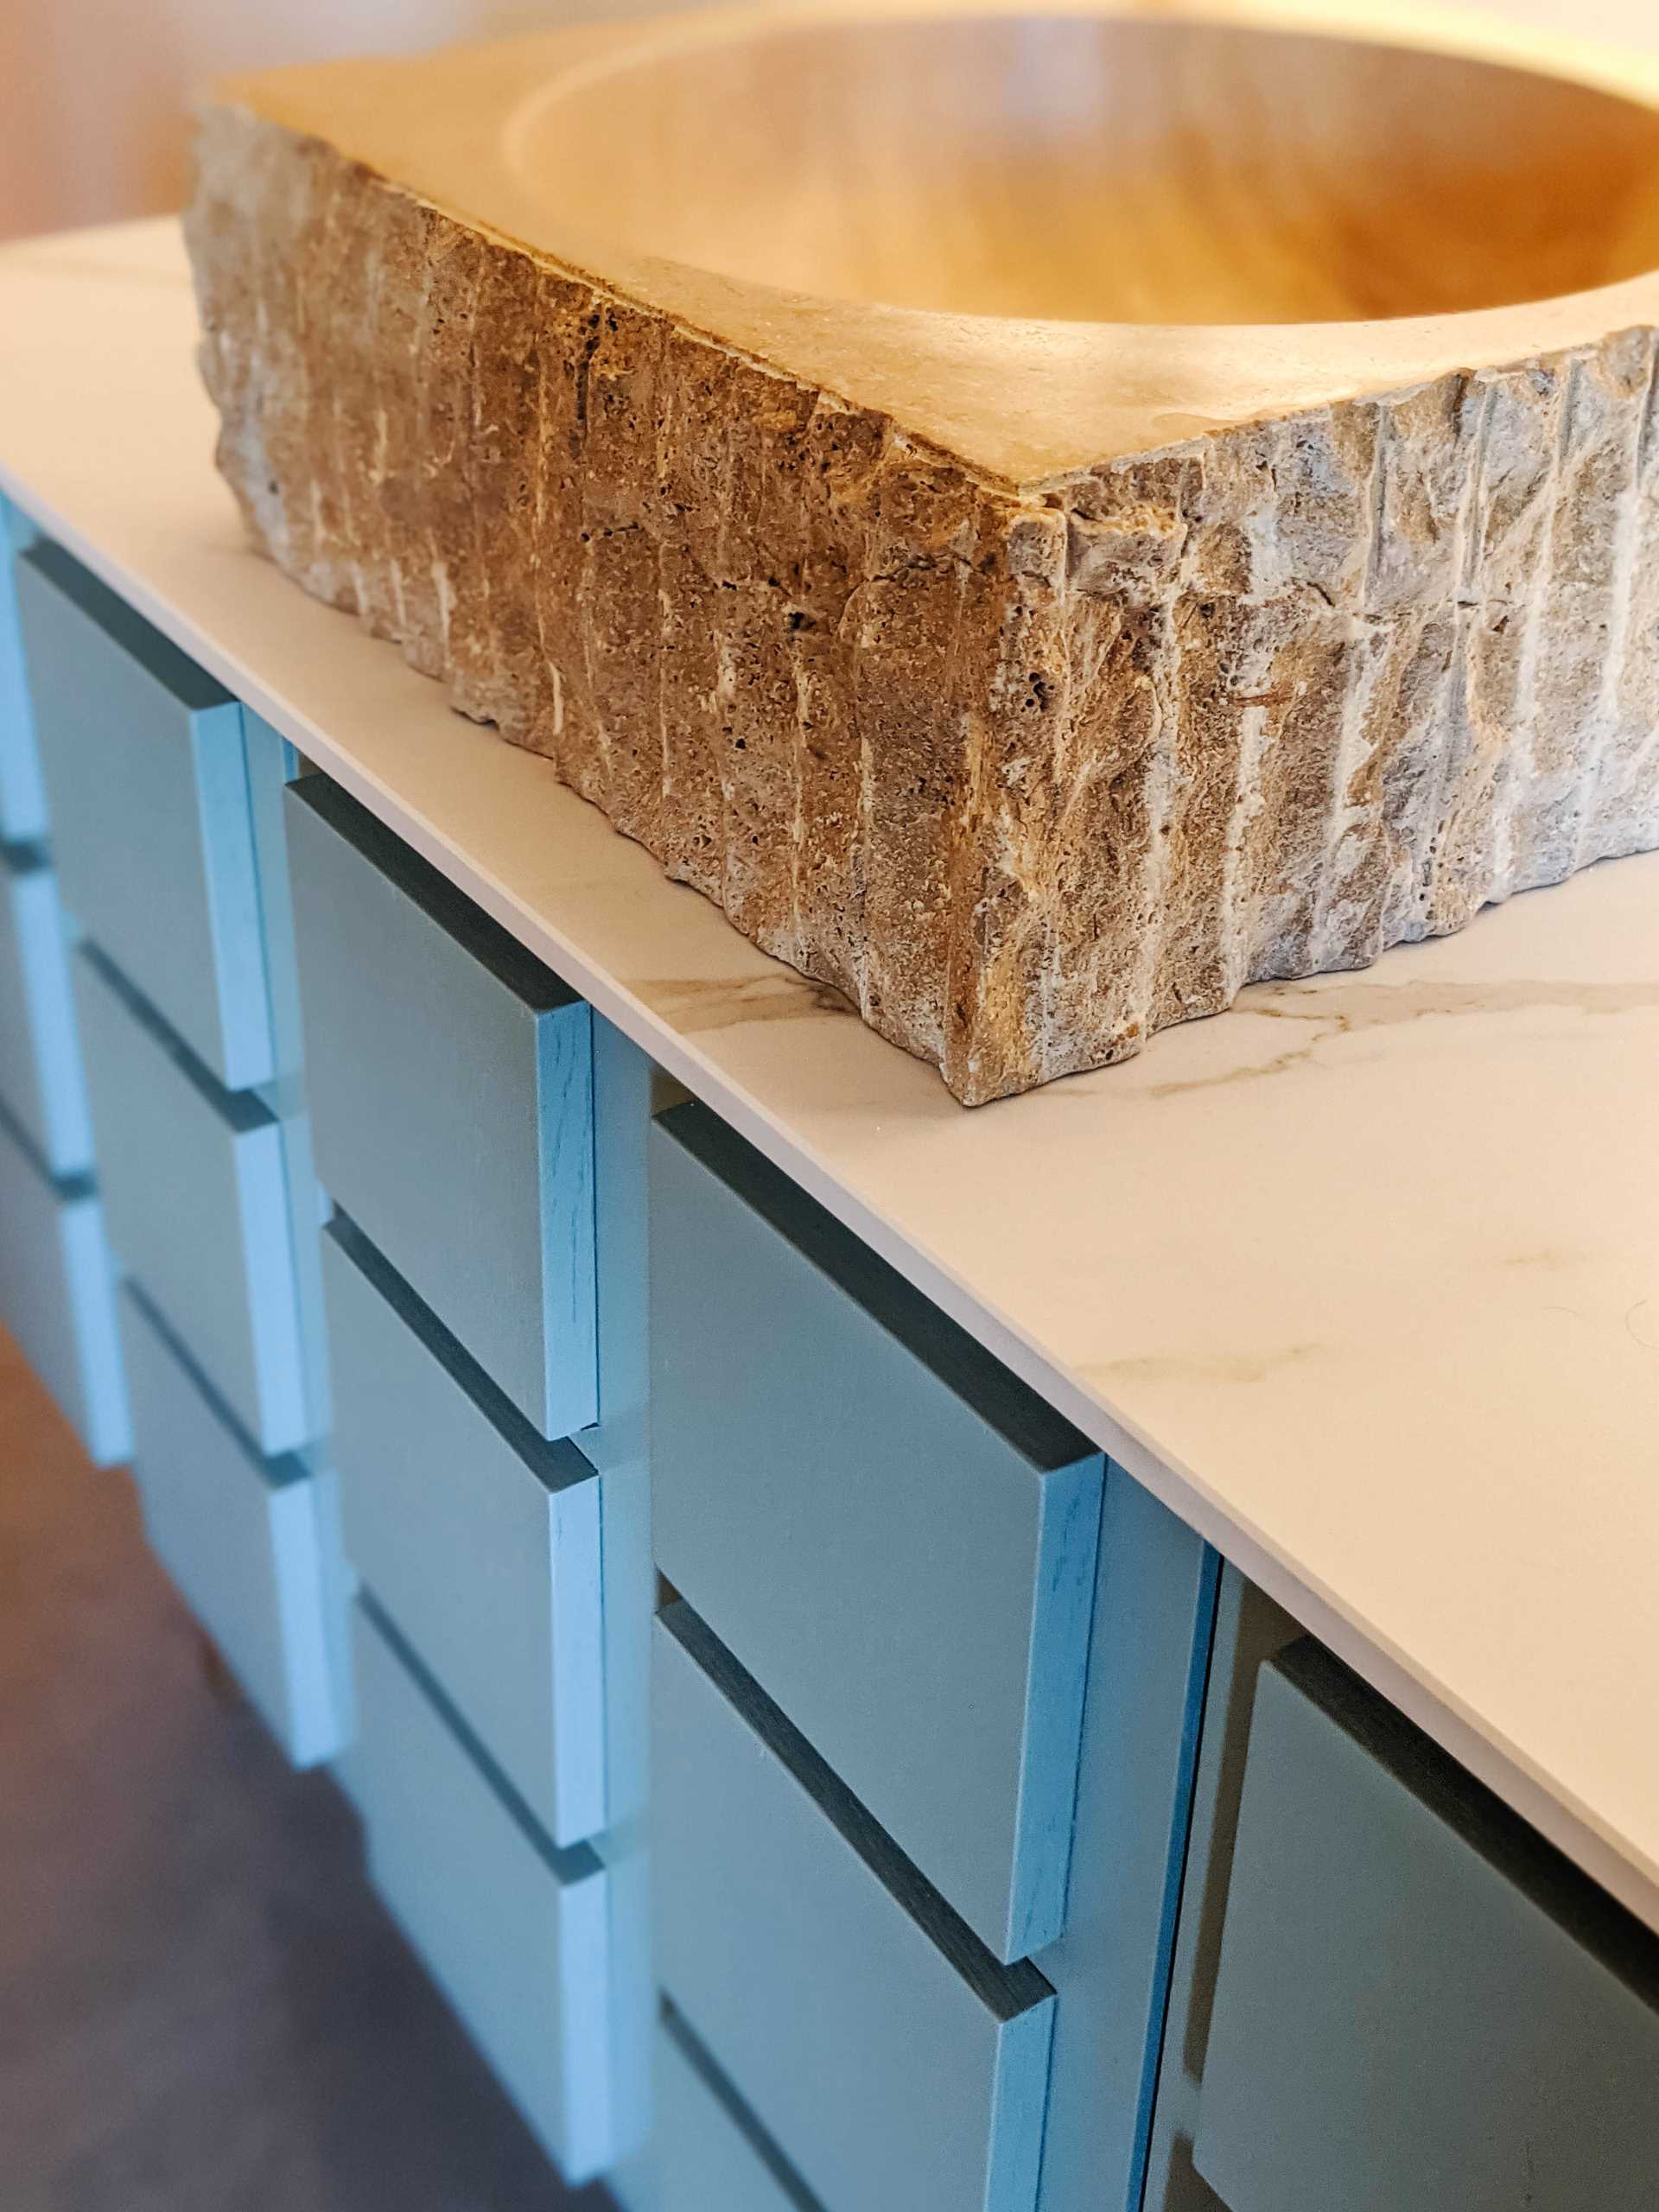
point(202, 2008)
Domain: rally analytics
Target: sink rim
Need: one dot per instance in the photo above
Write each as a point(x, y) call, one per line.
point(733, 27)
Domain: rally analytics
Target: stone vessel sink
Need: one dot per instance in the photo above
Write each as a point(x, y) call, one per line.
point(1047, 516)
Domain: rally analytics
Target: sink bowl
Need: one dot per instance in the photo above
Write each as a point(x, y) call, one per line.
point(1047, 516)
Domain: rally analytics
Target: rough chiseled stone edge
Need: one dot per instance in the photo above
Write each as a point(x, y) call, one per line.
point(1025, 776)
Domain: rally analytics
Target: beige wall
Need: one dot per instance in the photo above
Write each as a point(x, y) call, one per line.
point(93, 92)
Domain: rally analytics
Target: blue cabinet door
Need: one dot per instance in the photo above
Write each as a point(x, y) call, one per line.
point(450, 1077)
point(892, 1533)
point(1419, 2002)
point(518, 1932)
point(893, 2060)
point(251, 1541)
point(195, 1181)
point(147, 780)
point(480, 1539)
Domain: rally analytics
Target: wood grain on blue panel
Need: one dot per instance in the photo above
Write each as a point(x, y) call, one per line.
point(273, 764)
point(890, 1531)
point(450, 1077)
point(57, 1293)
point(513, 1929)
point(1419, 2002)
point(42, 1082)
point(625, 1083)
point(147, 782)
point(892, 2059)
point(22, 794)
point(1154, 1623)
point(244, 1537)
point(618, 1443)
point(193, 1182)
point(479, 1538)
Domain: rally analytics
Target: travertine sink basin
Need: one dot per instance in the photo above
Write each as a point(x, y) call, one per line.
point(1047, 517)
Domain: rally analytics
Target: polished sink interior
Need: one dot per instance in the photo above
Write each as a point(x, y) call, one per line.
point(1106, 170)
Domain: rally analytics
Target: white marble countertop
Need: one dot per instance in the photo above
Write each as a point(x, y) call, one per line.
point(1363, 1276)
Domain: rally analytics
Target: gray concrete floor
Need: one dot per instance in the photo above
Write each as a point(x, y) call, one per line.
point(202, 2008)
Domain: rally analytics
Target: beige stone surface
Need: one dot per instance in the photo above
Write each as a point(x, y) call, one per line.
point(1028, 754)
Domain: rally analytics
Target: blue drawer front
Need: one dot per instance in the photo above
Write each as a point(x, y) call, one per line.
point(22, 794)
point(57, 1294)
point(450, 1076)
point(893, 2060)
point(893, 1534)
point(195, 1181)
point(147, 780)
point(250, 1543)
point(1419, 2002)
point(517, 1933)
point(42, 1083)
point(708, 2152)
point(480, 1539)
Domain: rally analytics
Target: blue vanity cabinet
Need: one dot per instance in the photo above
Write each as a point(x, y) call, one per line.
point(146, 770)
point(1008, 1852)
point(481, 1540)
point(57, 1293)
point(250, 1539)
point(1418, 2001)
point(518, 1933)
point(888, 1529)
point(450, 1076)
point(195, 1185)
point(891, 2057)
point(43, 1086)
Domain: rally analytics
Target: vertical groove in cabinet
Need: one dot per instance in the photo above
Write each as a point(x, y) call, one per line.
point(624, 1085)
point(273, 763)
point(1176, 1868)
point(1249, 1630)
point(619, 1442)
point(1154, 1623)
